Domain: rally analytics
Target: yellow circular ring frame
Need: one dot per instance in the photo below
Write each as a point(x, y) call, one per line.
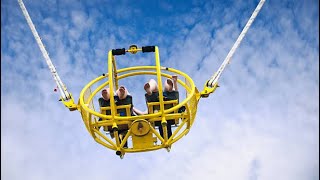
point(145, 139)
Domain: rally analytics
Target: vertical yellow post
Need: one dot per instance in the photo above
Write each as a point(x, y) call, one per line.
point(164, 128)
point(116, 135)
point(163, 119)
point(115, 73)
point(158, 69)
point(112, 104)
point(110, 78)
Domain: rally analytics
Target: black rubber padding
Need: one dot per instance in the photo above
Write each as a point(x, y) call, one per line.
point(117, 52)
point(148, 49)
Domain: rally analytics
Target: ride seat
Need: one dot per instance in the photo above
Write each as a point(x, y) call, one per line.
point(171, 99)
point(123, 107)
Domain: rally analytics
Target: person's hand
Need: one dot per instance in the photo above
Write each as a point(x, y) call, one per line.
point(174, 78)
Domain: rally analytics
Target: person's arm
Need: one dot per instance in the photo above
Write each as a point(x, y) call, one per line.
point(138, 112)
point(175, 85)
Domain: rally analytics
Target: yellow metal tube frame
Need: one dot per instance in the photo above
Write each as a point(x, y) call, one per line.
point(90, 116)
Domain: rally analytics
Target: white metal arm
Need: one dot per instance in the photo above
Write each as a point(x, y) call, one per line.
point(214, 79)
point(63, 90)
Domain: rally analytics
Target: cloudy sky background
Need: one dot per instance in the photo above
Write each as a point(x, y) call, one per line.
point(261, 124)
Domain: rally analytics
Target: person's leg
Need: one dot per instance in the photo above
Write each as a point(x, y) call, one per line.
point(147, 88)
point(122, 134)
point(169, 130)
point(168, 85)
point(125, 144)
point(161, 130)
point(151, 86)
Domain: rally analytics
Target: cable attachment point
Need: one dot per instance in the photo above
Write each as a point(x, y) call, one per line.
point(133, 49)
point(208, 89)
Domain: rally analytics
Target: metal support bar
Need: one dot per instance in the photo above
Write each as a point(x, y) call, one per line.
point(213, 81)
point(65, 95)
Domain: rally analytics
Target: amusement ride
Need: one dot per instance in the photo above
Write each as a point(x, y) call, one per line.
point(105, 123)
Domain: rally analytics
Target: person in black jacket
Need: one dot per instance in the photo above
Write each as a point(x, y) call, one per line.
point(122, 97)
point(152, 95)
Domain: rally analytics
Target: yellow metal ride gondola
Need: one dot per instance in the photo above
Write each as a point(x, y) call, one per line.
point(140, 130)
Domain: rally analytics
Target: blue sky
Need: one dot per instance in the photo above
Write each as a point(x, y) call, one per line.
point(261, 123)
